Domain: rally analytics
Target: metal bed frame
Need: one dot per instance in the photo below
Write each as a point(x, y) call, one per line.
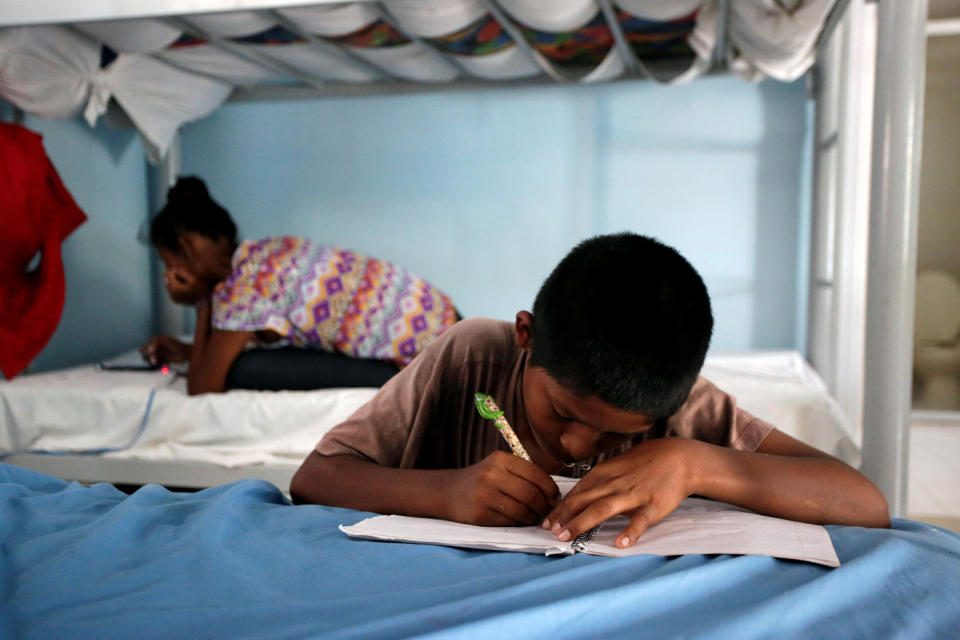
point(868, 87)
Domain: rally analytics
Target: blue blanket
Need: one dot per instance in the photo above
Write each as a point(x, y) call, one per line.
point(239, 561)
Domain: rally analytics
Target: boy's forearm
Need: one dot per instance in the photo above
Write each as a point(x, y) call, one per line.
point(808, 489)
point(354, 483)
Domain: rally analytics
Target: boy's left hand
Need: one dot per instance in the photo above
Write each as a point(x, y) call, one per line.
point(647, 483)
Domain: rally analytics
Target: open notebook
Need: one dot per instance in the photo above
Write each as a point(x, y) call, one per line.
point(696, 526)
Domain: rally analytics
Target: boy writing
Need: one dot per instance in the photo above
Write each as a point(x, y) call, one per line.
point(600, 381)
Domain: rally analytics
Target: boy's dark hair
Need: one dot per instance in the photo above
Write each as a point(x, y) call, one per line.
point(190, 208)
point(625, 318)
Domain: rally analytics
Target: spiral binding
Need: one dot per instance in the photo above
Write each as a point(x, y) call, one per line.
point(581, 541)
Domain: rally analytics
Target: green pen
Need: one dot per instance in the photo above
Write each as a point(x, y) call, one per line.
point(488, 409)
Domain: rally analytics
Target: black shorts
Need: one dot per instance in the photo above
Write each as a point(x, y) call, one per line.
point(300, 369)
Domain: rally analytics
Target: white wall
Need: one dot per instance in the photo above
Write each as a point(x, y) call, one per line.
point(480, 192)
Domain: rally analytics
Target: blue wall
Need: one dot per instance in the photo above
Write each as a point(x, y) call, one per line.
point(107, 306)
point(480, 192)
point(483, 192)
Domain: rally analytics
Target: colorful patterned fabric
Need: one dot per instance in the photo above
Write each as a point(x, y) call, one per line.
point(323, 296)
point(376, 35)
point(273, 35)
point(583, 47)
point(658, 39)
point(482, 37)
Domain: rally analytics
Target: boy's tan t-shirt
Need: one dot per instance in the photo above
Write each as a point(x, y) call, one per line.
point(425, 418)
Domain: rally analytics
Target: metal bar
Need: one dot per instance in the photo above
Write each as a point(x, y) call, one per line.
point(186, 69)
point(332, 48)
point(514, 31)
point(822, 298)
point(830, 141)
point(933, 417)
point(349, 89)
point(718, 60)
point(241, 52)
point(943, 27)
point(856, 37)
point(897, 130)
point(830, 24)
point(169, 318)
point(27, 12)
point(437, 54)
point(345, 90)
point(634, 64)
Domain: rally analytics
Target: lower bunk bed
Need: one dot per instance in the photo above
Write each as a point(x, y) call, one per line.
point(90, 425)
point(239, 561)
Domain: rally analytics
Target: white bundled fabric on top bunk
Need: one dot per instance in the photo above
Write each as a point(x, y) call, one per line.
point(561, 15)
point(333, 19)
point(232, 24)
point(47, 71)
point(766, 38)
point(156, 97)
point(131, 36)
point(54, 72)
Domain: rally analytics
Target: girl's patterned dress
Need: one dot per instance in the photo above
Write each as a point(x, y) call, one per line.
point(326, 297)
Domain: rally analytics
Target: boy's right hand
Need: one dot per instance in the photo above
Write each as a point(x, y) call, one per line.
point(500, 490)
point(162, 350)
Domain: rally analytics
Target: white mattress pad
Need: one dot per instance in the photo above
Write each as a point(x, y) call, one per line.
point(86, 408)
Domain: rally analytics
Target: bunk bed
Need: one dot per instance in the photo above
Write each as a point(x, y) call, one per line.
point(160, 71)
point(238, 560)
point(164, 65)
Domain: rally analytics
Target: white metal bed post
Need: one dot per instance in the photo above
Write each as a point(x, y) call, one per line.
point(840, 216)
point(894, 193)
point(168, 317)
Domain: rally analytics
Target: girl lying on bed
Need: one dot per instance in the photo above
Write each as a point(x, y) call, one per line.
point(322, 316)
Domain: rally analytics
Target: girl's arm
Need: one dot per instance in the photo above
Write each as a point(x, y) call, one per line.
point(214, 350)
point(162, 350)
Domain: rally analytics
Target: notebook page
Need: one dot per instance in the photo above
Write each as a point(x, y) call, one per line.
point(705, 526)
point(455, 534)
point(696, 526)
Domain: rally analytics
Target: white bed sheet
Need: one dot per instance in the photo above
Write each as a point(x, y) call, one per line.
point(86, 408)
point(782, 388)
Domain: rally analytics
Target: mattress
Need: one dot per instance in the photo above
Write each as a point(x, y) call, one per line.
point(88, 424)
point(126, 420)
point(782, 388)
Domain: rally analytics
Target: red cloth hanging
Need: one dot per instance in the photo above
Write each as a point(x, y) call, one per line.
point(36, 214)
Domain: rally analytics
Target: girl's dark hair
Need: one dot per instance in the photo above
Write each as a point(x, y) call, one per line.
point(190, 208)
point(625, 318)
